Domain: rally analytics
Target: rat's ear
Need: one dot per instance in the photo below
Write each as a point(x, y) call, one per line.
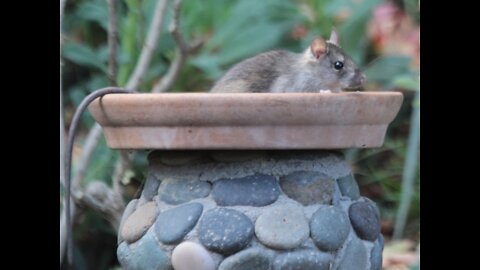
point(333, 37)
point(318, 47)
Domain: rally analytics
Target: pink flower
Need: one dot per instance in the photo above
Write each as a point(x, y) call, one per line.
point(392, 31)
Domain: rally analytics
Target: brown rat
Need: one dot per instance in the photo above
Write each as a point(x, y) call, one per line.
point(322, 66)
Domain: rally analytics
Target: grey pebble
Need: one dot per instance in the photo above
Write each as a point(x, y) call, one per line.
point(376, 254)
point(151, 187)
point(307, 259)
point(282, 227)
point(172, 225)
point(254, 190)
point(225, 230)
point(308, 187)
point(349, 187)
point(365, 220)
point(329, 228)
point(144, 254)
point(355, 256)
point(249, 259)
point(177, 191)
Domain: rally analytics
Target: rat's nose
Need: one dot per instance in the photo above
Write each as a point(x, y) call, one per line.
point(359, 78)
point(363, 78)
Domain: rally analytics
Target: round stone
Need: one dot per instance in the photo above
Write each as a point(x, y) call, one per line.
point(307, 259)
point(190, 255)
point(172, 225)
point(143, 254)
point(225, 230)
point(177, 191)
point(282, 227)
point(254, 190)
point(376, 254)
point(123, 253)
point(131, 206)
point(253, 258)
point(329, 228)
point(365, 220)
point(355, 256)
point(308, 187)
point(151, 187)
point(139, 222)
point(349, 187)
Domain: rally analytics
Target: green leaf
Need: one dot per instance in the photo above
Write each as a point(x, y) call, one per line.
point(208, 64)
point(154, 72)
point(413, 9)
point(409, 82)
point(102, 53)
point(266, 35)
point(102, 163)
point(96, 11)
point(227, 30)
point(335, 7)
point(239, 47)
point(132, 36)
point(415, 266)
point(76, 94)
point(385, 69)
point(83, 56)
point(353, 38)
point(96, 82)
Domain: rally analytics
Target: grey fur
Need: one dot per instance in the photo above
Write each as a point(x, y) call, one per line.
point(282, 71)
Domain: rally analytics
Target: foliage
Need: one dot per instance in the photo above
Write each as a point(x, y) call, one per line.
point(234, 30)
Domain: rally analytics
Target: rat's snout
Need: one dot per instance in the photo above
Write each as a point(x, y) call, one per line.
point(363, 78)
point(359, 78)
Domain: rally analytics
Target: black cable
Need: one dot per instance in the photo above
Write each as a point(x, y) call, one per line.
point(68, 157)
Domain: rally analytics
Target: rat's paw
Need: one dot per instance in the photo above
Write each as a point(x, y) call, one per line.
point(325, 91)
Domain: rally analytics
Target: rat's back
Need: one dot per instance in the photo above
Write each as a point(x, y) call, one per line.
point(255, 74)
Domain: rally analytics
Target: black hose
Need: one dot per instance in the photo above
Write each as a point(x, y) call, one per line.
point(68, 157)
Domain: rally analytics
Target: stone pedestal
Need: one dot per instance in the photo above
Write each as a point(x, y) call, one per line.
point(273, 207)
point(250, 210)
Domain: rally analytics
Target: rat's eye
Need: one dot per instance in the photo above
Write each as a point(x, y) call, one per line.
point(338, 65)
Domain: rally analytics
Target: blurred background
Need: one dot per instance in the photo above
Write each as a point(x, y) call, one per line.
point(383, 37)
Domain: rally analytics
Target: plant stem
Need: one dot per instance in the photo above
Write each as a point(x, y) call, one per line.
point(408, 178)
point(62, 141)
point(112, 42)
point(181, 52)
point(149, 46)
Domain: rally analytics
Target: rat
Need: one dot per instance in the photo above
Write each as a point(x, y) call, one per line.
point(322, 67)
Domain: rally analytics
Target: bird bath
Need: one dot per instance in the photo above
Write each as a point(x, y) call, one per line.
point(248, 180)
